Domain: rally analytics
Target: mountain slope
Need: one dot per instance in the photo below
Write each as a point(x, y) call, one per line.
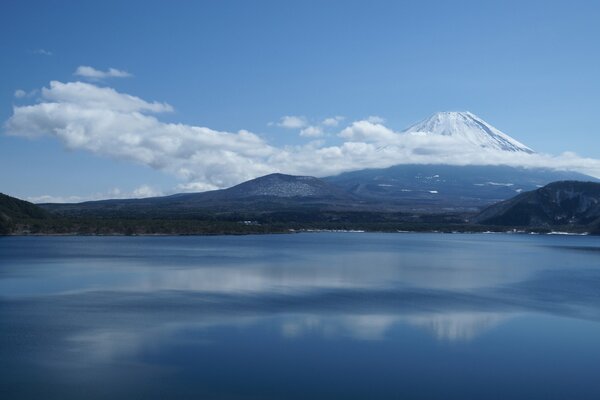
point(278, 185)
point(447, 186)
point(266, 193)
point(470, 128)
point(13, 210)
point(566, 203)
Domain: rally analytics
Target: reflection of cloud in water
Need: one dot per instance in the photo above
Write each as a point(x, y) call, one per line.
point(455, 287)
point(111, 343)
point(364, 327)
point(284, 278)
point(319, 262)
point(120, 340)
point(458, 326)
point(451, 326)
point(107, 345)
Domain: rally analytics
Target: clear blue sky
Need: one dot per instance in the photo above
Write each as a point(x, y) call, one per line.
point(529, 68)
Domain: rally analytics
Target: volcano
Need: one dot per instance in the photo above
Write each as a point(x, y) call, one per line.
point(470, 128)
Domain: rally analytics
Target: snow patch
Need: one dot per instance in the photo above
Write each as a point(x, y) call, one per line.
point(500, 184)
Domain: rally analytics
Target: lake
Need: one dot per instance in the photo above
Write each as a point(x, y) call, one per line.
point(302, 316)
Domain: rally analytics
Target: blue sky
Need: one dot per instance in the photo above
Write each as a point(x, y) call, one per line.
point(528, 68)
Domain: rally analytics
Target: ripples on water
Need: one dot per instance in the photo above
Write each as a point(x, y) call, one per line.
point(300, 316)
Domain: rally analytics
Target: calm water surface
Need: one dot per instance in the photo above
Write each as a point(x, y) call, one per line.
point(399, 316)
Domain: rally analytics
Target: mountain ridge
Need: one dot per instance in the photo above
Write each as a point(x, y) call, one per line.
point(265, 193)
point(406, 188)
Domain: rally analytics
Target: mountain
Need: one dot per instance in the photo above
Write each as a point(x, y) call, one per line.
point(405, 187)
point(263, 194)
point(559, 204)
point(437, 187)
point(414, 188)
point(281, 185)
point(468, 127)
point(13, 210)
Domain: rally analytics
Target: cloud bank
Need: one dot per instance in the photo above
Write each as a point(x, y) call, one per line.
point(103, 121)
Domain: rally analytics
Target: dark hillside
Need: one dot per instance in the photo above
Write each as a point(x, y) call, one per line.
point(13, 210)
point(559, 204)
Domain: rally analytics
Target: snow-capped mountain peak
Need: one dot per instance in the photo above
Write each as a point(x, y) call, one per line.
point(469, 127)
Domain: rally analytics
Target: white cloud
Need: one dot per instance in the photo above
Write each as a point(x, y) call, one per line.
point(292, 122)
point(115, 193)
point(47, 198)
point(311, 131)
point(375, 119)
point(145, 191)
point(332, 121)
point(92, 73)
point(369, 132)
point(92, 97)
point(42, 52)
point(19, 93)
point(104, 121)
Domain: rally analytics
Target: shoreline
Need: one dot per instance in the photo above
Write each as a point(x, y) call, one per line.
point(298, 231)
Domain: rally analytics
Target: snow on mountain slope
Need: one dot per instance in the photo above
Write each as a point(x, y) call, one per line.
point(469, 127)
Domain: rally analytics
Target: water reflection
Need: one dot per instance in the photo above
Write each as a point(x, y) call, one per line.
point(450, 327)
point(108, 344)
point(459, 326)
point(238, 266)
point(67, 303)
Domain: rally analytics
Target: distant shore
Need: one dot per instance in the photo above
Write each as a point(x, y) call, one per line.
point(478, 230)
